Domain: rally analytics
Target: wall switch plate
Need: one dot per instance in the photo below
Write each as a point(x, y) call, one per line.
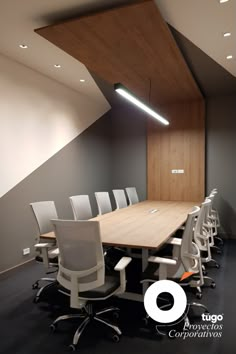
point(26, 251)
point(177, 171)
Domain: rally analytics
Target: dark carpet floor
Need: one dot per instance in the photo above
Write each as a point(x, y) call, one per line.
point(24, 326)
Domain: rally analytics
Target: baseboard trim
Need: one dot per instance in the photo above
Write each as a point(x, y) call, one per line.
point(16, 266)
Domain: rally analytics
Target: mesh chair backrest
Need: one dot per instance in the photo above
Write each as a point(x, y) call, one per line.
point(120, 198)
point(80, 251)
point(81, 207)
point(44, 212)
point(211, 197)
point(103, 202)
point(132, 195)
point(199, 227)
point(214, 191)
point(187, 239)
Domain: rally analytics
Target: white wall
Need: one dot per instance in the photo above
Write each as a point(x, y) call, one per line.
point(38, 117)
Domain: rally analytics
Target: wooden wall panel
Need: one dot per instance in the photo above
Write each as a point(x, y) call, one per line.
point(181, 145)
point(131, 45)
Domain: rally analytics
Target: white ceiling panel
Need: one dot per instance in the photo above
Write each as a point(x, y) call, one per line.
point(204, 22)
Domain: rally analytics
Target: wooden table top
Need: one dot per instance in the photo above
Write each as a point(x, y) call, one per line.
point(147, 224)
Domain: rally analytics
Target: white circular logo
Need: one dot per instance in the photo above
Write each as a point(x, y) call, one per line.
point(150, 301)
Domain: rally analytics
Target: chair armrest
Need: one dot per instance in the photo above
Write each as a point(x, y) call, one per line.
point(54, 252)
point(208, 226)
point(203, 237)
point(120, 267)
point(47, 250)
point(212, 217)
point(162, 260)
point(122, 264)
point(164, 263)
point(174, 241)
point(195, 246)
point(43, 245)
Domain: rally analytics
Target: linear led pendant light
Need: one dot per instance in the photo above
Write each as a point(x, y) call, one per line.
point(126, 94)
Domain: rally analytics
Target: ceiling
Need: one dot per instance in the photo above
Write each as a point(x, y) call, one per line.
point(201, 21)
point(204, 22)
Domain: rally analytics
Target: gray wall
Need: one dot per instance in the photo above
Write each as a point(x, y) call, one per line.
point(221, 158)
point(129, 149)
point(83, 166)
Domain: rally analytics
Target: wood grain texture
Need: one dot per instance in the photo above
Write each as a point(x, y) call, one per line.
point(181, 145)
point(131, 45)
point(136, 227)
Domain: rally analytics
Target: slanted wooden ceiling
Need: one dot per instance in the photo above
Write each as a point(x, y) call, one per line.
point(131, 45)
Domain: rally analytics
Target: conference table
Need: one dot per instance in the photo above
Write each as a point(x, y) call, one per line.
point(146, 225)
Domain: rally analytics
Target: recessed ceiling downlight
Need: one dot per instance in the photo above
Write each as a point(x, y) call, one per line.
point(57, 66)
point(229, 57)
point(227, 34)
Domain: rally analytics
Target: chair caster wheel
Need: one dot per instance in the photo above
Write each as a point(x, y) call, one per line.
point(53, 327)
point(116, 315)
point(217, 266)
point(72, 347)
point(213, 285)
point(116, 338)
point(199, 296)
point(35, 286)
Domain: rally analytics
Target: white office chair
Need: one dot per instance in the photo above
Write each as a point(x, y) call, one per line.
point(82, 273)
point(103, 202)
point(104, 207)
point(203, 234)
point(132, 195)
point(185, 258)
point(48, 252)
point(81, 207)
point(213, 218)
point(214, 212)
point(120, 198)
point(188, 259)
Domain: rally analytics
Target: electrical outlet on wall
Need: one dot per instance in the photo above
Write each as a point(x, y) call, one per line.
point(177, 171)
point(26, 251)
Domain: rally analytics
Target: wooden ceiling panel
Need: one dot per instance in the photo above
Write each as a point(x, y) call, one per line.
point(131, 45)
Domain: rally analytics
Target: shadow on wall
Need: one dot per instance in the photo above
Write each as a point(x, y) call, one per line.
point(227, 218)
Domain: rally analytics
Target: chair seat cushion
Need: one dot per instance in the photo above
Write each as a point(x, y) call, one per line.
point(111, 284)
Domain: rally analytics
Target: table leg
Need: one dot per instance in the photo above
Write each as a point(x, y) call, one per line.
point(145, 254)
